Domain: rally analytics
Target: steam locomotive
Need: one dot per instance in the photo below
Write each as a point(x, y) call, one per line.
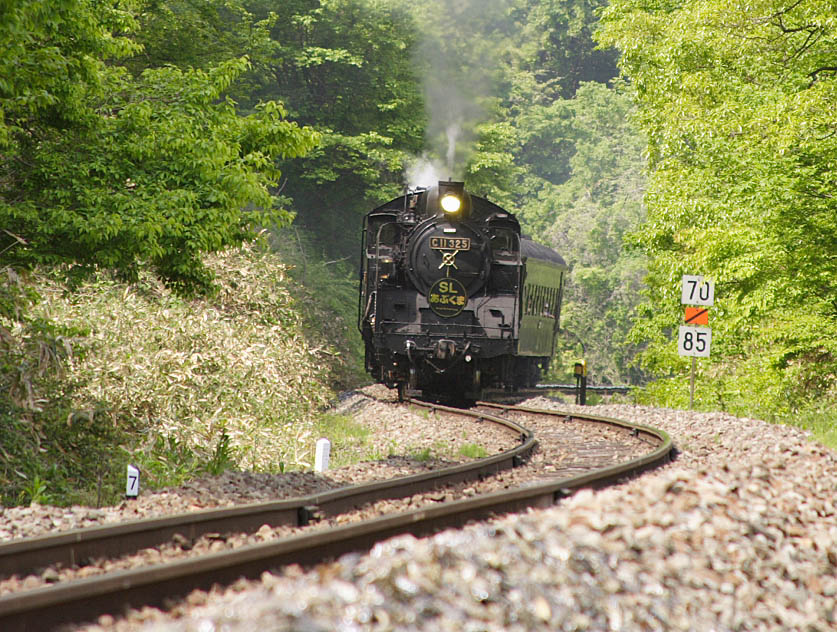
point(453, 299)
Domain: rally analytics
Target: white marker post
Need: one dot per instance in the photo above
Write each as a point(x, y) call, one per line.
point(132, 485)
point(692, 340)
point(322, 456)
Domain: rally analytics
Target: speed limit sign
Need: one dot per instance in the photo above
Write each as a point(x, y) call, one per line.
point(695, 290)
point(694, 341)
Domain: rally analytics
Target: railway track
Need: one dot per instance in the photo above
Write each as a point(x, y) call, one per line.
point(79, 600)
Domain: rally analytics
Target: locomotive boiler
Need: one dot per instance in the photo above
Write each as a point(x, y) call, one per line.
point(453, 299)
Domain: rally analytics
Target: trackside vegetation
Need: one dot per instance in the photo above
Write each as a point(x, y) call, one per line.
point(135, 373)
point(737, 102)
point(182, 186)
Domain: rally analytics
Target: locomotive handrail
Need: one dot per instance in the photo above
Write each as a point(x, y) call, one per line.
point(412, 328)
point(378, 270)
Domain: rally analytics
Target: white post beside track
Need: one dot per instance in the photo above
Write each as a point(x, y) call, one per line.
point(322, 456)
point(132, 484)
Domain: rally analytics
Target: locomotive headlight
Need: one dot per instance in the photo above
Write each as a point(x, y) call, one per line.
point(450, 203)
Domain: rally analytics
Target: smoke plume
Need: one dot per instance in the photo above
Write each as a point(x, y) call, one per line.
point(459, 70)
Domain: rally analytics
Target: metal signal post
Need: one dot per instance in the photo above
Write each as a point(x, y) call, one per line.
point(695, 337)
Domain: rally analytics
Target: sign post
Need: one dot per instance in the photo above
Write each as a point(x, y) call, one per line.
point(695, 337)
point(132, 484)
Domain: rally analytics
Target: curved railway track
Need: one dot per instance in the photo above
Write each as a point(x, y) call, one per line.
point(85, 599)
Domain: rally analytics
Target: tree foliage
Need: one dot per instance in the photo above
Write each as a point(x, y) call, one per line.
point(343, 67)
point(110, 160)
point(586, 214)
point(557, 46)
point(738, 101)
point(104, 168)
point(556, 145)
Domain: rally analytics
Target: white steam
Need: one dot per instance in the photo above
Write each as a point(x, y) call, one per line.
point(424, 172)
point(453, 132)
point(457, 61)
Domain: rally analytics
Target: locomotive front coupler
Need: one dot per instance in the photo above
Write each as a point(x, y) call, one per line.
point(443, 350)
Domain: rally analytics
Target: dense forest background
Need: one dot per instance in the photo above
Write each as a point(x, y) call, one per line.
point(141, 139)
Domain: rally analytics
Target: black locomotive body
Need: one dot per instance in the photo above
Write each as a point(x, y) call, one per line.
point(453, 299)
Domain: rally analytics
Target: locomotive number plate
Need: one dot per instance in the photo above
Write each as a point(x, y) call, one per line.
point(450, 243)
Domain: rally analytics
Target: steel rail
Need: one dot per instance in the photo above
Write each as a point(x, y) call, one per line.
point(84, 600)
point(654, 434)
point(601, 388)
point(75, 547)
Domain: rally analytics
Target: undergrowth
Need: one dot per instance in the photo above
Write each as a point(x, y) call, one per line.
point(327, 293)
point(114, 373)
point(349, 440)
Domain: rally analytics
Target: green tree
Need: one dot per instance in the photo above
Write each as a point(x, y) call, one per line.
point(199, 34)
point(738, 101)
point(537, 137)
point(585, 214)
point(101, 168)
point(120, 150)
point(344, 67)
point(557, 48)
point(558, 148)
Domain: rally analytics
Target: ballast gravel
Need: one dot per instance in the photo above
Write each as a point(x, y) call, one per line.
point(408, 442)
point(738, 533)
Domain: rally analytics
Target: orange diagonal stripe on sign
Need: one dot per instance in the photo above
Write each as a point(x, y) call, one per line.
point(697, 316)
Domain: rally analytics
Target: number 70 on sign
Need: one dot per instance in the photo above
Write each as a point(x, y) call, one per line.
point(697, 291)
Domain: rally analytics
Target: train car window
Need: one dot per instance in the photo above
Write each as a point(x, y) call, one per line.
point(539, 300)
point(549, 305)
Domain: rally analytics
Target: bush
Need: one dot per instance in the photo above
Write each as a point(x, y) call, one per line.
point(231, 380)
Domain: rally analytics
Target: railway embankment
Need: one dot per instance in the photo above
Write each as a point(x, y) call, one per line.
point(738, 532)
point(117, 372)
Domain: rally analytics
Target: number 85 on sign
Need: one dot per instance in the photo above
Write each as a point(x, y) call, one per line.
point(694, 341)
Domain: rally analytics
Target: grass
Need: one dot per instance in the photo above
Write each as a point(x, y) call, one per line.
point(751, 393)
point(349, 440)
point(822, 423)
point(422, 454)
point(350, 443)
point(117, 373)
point(473, 451)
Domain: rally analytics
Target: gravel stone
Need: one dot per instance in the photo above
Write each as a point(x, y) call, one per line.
point(738, 533)
point(409, 444)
